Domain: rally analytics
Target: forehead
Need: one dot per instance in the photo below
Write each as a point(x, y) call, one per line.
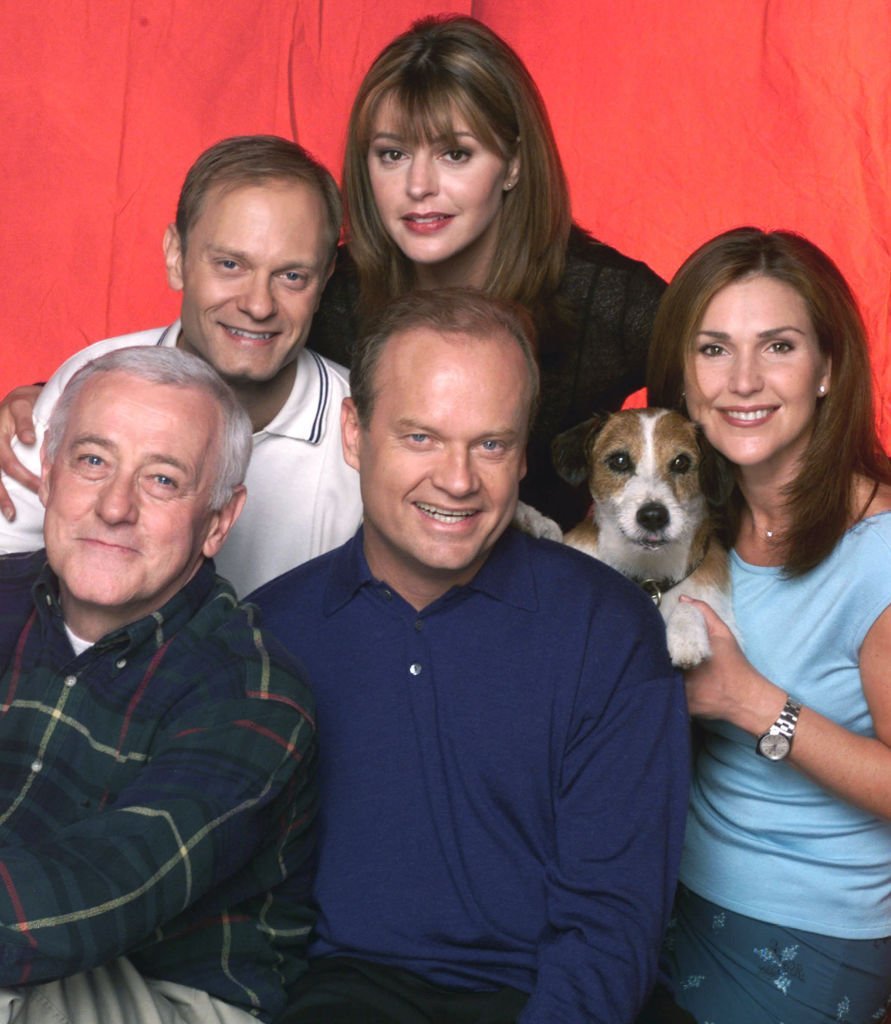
point(758, 298)
point(422, 368)
point(292, 209)
point(133, 415)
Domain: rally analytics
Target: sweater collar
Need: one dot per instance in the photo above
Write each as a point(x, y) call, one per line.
point(505, 576)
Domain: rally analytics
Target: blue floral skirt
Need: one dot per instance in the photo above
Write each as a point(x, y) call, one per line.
point(730, 969)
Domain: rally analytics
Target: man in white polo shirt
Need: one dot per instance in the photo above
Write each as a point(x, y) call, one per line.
point(251, 249)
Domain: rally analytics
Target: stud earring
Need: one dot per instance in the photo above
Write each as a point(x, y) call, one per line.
point(821, 390)
point(508, 185)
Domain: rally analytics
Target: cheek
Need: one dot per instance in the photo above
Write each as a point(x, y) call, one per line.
point(503, 482)
point(698, 386)
point(490, 199)
point(685, 486)
point(379, 187)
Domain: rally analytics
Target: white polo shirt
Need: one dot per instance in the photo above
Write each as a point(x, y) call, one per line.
point(303, 499)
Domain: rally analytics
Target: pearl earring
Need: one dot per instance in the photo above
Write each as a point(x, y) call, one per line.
point(821, 390)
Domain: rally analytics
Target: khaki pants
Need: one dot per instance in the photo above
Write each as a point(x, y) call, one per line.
point(115, 994)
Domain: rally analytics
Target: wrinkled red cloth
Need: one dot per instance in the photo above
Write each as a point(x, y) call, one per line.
point(675, 122)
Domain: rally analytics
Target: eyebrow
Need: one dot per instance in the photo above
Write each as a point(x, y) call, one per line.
point(98, 441)
point(769, 333)
point(212, 249)
point(398, 137)
point(417, 427)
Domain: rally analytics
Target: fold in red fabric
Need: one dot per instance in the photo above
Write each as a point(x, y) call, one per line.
point(675, 121)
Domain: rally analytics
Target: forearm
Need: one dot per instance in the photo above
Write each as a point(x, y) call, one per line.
point(854, 767)
point(620, 835)
point(100, 886)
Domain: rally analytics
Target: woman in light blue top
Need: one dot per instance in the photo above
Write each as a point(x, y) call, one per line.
point(784, 912)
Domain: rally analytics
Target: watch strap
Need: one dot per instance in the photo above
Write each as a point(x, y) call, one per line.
point(785, 724)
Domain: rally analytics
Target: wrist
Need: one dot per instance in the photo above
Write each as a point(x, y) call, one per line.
point(760, 702)
point(776, 742)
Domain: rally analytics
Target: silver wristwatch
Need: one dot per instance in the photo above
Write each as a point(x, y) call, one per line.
point(776, 743)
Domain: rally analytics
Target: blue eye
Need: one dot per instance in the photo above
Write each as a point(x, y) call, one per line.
point(295, 278)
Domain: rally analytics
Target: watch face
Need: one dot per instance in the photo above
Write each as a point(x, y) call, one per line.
point(774, 747)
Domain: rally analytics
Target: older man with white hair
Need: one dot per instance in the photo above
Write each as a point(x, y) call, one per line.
point(157, 750)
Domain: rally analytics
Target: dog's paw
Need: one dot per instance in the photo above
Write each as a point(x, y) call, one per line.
point(533, 522)
point(687, 636)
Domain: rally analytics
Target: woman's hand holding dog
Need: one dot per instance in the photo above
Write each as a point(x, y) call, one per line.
point(726, 685)
point(857, 768)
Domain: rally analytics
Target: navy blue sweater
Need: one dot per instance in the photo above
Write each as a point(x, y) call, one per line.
point(503, 774)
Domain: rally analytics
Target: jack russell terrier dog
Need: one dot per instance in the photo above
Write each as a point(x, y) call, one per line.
point(649, 518)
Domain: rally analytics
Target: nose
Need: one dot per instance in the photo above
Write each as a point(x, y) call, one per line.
point(455, 474)
point(745, 377)
point(652, 516)
point(421, 180)
point(257, 299)
point(116, 501)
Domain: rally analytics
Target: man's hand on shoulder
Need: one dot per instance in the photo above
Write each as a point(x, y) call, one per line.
point(17, 420)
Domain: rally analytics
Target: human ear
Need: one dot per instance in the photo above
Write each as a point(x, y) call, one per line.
point(350, 429)
point(512, 176)
point(223, 521)
point(173, 258)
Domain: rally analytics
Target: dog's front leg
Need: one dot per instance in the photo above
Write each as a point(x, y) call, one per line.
point(687, 636)
point(536, 524)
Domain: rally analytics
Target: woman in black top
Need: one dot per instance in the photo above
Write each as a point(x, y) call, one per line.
point(452, 177)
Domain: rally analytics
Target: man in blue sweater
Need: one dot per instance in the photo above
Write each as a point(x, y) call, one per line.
point(504, 744)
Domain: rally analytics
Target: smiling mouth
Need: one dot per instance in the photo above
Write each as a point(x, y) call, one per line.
point(749, 415)
point(442, 515)
point(240, 332)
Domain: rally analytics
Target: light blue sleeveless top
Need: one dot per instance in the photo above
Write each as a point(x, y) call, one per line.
point(762, 839)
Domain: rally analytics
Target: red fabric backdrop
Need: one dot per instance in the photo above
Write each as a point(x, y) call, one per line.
point(675, 120)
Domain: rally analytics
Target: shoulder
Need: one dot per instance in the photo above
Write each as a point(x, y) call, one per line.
point(563, 573)
point(604, 295)
point(19, 571)
point(237, 657)
point(335, 324)
point(293, 588)
point(874, 530)
point(586, 257)
point(591, 617)
point(335, 375)
point(18, 574)
point(879, 500)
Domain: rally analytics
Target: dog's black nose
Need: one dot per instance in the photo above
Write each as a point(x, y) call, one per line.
point(652, 516)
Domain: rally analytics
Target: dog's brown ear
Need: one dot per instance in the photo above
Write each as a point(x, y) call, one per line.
point(569, 450)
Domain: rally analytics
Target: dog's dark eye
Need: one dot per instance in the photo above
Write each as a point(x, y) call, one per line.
point(681, 464)
point(619, 462)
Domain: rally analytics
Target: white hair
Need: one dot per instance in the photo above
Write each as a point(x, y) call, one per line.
point(174, 368)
